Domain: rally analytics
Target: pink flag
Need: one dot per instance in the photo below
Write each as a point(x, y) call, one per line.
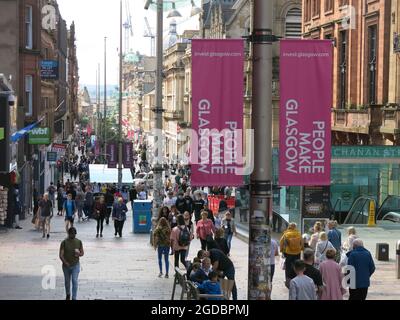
point(305, 112)
point(217, 81)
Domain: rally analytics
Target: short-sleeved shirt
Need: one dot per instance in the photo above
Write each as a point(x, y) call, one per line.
point(274, 248)
point(69, 246)
point(314, 274)
point(224, 264)
point(45, 208)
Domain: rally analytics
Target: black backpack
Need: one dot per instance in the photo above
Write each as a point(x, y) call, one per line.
point(184, 237)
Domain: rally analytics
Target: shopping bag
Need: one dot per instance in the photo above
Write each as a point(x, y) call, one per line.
point(282, 263)
point(343, 259)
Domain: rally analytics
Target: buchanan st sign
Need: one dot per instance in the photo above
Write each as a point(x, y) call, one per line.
point(39, 136)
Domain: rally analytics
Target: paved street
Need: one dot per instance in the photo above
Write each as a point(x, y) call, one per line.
point(112, 268)
point(125, 269)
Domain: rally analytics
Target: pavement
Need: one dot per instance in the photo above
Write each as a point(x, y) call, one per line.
point(127, 268)
point(112, 269)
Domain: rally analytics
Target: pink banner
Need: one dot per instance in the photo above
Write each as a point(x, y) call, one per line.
point(217, 82)
point(305, 112)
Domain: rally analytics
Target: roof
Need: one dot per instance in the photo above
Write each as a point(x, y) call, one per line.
point(227, 10)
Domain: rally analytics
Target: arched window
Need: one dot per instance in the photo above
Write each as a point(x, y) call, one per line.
point(293, 24)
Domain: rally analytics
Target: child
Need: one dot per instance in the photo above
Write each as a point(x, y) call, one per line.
point(301, 287)
point(211, 286)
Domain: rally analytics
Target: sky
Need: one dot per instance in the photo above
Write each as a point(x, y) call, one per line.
point(96, 19)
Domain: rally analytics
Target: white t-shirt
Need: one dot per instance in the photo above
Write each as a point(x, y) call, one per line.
point(274, 248)
point(169, 202)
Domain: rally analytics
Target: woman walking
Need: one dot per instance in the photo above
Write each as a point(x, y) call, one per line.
point(332, 277)
point(323, 246)
point(315, 236)
point(60, 201)
point(79, 201)
point(352, 235)
point(205, 230)
point(99, 213)
point(229, 227)
point(180, 240)
point(163, 213)
point(119, 216)
point(162, 243)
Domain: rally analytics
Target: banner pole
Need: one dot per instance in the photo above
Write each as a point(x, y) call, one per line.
point(259, 284)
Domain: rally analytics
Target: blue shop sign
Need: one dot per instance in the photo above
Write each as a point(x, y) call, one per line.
point(49, 69)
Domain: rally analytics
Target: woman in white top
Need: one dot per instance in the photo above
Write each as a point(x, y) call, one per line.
point(322, 246)
point(352, 235)
point(315, 236)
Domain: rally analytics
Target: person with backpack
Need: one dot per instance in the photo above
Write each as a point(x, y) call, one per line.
point(162, 243)
point(205, 230)
point(291, 246)
point(180, 240)
point(69, 209)
point(60, 200)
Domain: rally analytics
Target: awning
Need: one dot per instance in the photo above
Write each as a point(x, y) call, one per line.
point(21, 133)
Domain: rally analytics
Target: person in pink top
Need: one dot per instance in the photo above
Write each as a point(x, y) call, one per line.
point(332, 277)
point(205, 230)
point(180, 241)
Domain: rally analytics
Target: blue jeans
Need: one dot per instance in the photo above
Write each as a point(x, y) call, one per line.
point(71, 273)
point(228, 238)
point(230, 274)
point(163, 251)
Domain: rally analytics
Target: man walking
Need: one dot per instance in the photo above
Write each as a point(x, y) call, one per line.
point(46, 214)
point(71, 250)
point(291, 245)
point(69, 209)
point(335, 237)
point(361, 260)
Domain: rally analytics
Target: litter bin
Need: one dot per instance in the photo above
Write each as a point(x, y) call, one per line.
point(382, 252)
point(142, 216)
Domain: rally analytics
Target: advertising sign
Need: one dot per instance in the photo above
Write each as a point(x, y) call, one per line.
point(316, 202)
point(49, 70)
point(112, 155)
point(305, 113)
point(127, 155)
point(39, 136)
point(59, 148)
point(217, 81)
point(52, 157)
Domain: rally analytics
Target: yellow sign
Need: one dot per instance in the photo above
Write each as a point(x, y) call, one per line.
point(371, 216)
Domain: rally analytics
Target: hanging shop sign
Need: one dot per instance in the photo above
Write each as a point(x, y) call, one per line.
point(39, 136)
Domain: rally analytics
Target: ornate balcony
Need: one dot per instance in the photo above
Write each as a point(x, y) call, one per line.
point(173, 115)
point(391, 120)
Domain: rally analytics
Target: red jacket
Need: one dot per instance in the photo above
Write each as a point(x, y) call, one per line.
point(205, 228)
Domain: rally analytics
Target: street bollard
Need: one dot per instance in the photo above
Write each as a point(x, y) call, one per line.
point(398, 259)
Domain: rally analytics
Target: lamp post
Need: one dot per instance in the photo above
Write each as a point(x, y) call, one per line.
point(259, 284)
point(120, 103)
point(158, 110)
point(105, 97)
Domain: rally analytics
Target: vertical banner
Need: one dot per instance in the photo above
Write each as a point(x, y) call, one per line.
point(112, 155)
point(97, 148)
point(305, 112)
point(217, 82)
point(128, 155)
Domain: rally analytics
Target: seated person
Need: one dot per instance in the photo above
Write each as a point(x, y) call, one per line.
point(190, 266)
point(203, 272)
point(211, 286)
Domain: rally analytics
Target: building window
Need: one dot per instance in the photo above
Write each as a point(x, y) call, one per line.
point(316, 8)
point(372, 57)
point(28, 95)
point(293, 24)
point(28, 27)
point(343, 69)
point(328, 5)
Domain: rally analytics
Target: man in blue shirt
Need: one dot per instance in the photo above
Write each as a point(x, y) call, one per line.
point(211, 287)
point(69, 209)
point(361, 260)
point(335, 237)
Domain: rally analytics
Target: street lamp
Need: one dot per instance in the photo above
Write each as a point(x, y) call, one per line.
point(174, 13)
point(195, 9)
point(158, 110)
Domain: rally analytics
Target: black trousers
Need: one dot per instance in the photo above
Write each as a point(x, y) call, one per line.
point(203, 244)
point(108, 214)
point(100, 222)
point(182, 255)
point(118, 225)
point(289, 262)
point(358, 294)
